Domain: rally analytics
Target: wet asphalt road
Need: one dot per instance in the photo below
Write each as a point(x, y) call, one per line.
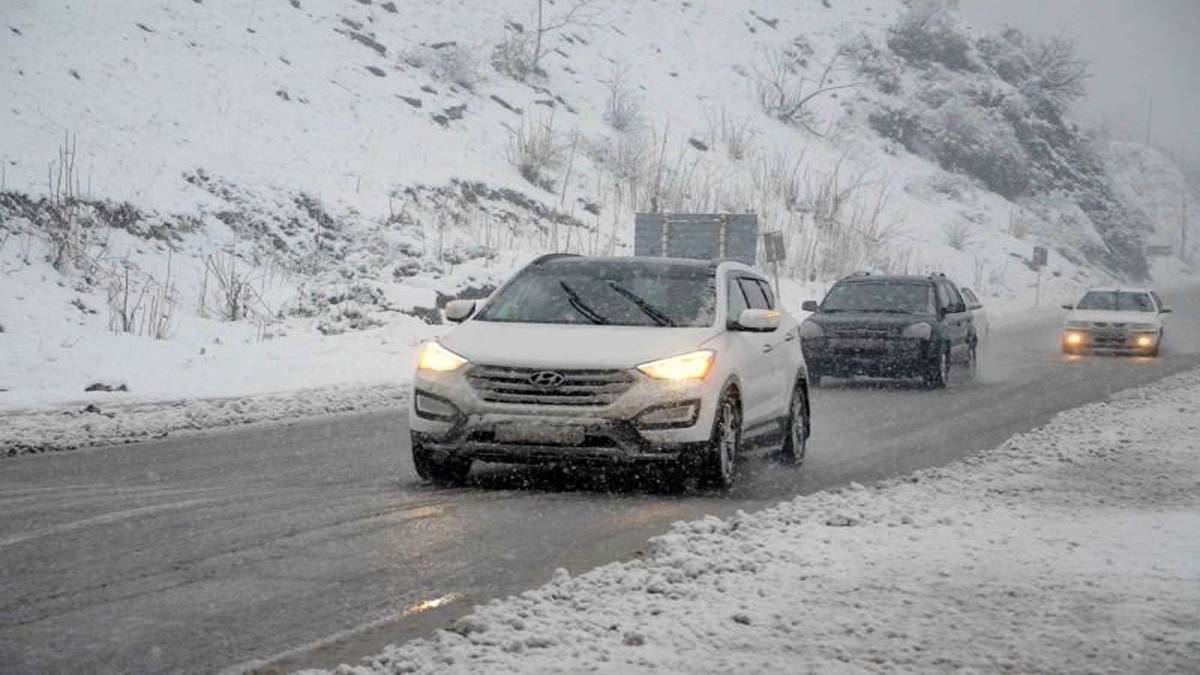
point(313, 543)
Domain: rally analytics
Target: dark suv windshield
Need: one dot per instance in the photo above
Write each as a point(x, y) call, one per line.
point(624, 294)
point(1124, 301)
point(890, 297)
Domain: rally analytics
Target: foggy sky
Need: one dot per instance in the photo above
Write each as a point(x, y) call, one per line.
point(1139, 50)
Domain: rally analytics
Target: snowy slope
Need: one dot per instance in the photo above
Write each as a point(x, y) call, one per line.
point(350, 163)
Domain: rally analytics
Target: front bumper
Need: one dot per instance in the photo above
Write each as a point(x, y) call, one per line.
point(1082, 339)
point(875, 357)
point(652, 421)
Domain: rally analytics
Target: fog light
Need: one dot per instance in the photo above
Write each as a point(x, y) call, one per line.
point(434, 407)
point(670, 416)
point(1145, 341)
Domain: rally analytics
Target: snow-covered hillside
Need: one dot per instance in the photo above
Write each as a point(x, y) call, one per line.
point(211, 198)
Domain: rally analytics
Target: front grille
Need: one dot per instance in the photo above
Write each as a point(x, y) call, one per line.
point(1103, 324)
point(862, 332)
point(500, 384)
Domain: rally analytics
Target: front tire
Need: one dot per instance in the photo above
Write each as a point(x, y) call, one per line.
point(719, 462)
point(796, 428)
point(937, 371)
point(443, 472)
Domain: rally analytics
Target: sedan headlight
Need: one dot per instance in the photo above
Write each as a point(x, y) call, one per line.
point(1142, 326)
point(920, 331)
point(693, 365)
point(1079, 325)
point(811, 329)
point(438, 359)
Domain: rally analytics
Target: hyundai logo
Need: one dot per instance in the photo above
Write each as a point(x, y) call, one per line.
point(547, 379)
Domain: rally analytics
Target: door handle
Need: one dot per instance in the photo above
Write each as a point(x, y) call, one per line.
point(768, 347)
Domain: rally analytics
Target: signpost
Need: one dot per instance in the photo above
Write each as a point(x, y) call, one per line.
point(773, 252)
point(1040, 258)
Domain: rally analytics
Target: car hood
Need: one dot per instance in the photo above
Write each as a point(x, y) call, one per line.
point(1111, 316)
point(851, 320)
point(575, 346)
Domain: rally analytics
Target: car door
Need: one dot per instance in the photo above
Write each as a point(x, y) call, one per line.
point(956, 320)
point(784, 356)
point(751, 350)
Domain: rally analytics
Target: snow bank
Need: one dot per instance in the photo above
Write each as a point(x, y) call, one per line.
point(1075, 547)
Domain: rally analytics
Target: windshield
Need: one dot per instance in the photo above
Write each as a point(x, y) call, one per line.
point(1120, 301)
point(607, 294)
point(898, 298)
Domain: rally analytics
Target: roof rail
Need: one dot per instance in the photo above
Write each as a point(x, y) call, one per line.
point(552, 256)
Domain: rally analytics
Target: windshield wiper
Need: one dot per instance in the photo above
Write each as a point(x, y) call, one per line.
point(647, 309)
point(580, 306)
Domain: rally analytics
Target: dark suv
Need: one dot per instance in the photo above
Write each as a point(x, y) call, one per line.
point(889, 326)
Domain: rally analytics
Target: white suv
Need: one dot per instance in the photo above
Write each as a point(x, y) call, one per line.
point(616, 360)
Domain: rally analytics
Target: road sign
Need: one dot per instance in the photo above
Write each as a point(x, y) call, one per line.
point(773, 250)
point(697, 235)
point(1040, 256)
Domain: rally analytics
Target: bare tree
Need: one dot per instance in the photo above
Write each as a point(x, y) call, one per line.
point(623, 108)
point(785, 92)
point(1058, 74)
point(521, 54)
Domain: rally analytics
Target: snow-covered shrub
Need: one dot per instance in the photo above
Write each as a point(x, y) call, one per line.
point(970, 140)
point(535, 149)
point(623, 107)
point(448, 62)
point(958, 234)
point(513, 56)
point(1047, 71)
point(929, 32)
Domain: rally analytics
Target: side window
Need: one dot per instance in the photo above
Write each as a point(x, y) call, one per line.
point(943, 298)
point(956, 301)
point(737, 299)
point(972, 301)
point(766, 289)
point(754, 293)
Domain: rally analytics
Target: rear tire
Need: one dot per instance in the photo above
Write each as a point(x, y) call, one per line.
point(443, 472)
point(796, 428)
point(719, 461)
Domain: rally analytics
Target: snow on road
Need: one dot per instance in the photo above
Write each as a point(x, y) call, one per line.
point(1071, 548)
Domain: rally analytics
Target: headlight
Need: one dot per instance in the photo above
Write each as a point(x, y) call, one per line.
point(1141, 326)
point(439, 359)
point(920, 331)
point(693, 365)
point(1074, 338)
point(811, 329)
point(1079, 325)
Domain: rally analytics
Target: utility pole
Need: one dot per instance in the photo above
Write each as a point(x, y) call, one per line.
point(1183, 228)
point(1149, 118)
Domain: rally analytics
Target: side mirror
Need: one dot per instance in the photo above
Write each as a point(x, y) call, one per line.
point(458, 311)
point(810, 306)
point(758, 320)
point(1068, 306)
